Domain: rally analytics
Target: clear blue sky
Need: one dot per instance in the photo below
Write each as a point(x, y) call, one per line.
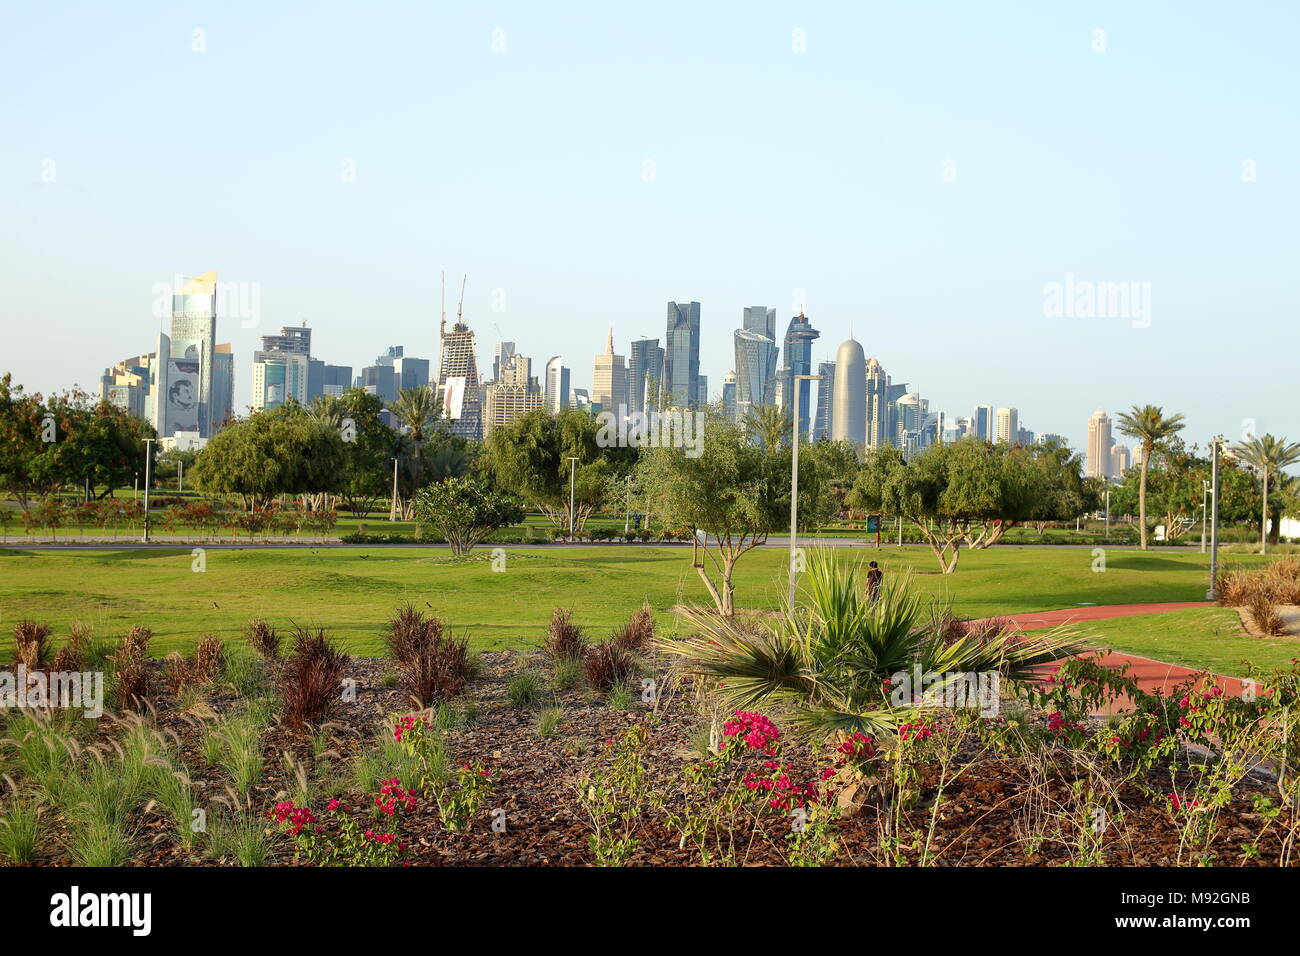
point(775, 171)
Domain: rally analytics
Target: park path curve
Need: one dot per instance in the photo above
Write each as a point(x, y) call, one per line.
point(1152, 676)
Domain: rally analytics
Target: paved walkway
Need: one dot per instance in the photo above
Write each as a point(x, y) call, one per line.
point(1152, 676)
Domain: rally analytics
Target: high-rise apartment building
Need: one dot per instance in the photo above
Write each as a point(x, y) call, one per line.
point(983, 419)
point(1099, 444)
point(682, 354)
point(1120, 460)
point(515, 395)
point(609, 378)
point(1006, 427)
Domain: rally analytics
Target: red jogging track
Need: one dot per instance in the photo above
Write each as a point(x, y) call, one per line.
point(1152, 676)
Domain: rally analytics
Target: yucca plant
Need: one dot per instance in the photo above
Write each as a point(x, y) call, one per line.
point(830, 655)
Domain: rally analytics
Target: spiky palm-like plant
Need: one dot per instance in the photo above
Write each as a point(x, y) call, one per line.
point(830, 655)
point(1150, 426)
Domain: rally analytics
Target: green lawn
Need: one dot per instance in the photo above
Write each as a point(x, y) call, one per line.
point(1211, 638)
point(352, 590)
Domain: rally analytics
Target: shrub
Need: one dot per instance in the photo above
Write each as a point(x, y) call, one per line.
point(131, 669)
point(635, 636)
point(430, 666)
point(31, 645)
point(564, 639)
point(263, 639)
point(609, 664)
point(1265, 614)
point(209, 659)
point(311, 680)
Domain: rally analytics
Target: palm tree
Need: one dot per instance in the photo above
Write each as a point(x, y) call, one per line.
point(418, 408)
point(1150, 426)
point(830, 657)
point(769, 425)
point(1269, 456)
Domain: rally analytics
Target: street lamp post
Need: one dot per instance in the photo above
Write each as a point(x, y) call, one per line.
point(627, 514)
point(392, 510)
point(573, 471)
point(1263, 523)
point(1107, 510)
point(1213, 593)
point(148, 470)
point(794, 479)
point(1205, 510)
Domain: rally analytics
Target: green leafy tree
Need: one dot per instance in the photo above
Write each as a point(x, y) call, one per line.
point(733, 496)
point(285, 451)
point(968, 492)
point(530, 458)
point(1151, 427)
point(1064, 495)
point(465, 511)
point(369, 447)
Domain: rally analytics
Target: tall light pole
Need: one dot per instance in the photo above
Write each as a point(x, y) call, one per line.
point(794, 479)
point(180, 475)
point(627, 515)
point(1205, 510)
point(1213, 593)
point(573, 471)
point(1263, 524)
point(148, 470)
point(1108, 510)
point(392, 510)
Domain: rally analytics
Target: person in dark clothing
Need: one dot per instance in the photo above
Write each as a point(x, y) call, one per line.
point(874, 577)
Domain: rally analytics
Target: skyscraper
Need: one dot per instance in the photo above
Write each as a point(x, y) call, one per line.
point(381, 380)
point(825, 389)
point(799, 337)
point(880, 406)
point(645, 364)
point(412, 372)
point(291, 339)
point(279, 377)
point(457, 362)
point(194, 345)
point(849, 409)
point(729, 395)
point(984, 422)
point(556, 390)
point(682, 354)
point(755, 370)
point(501, 358)
point(1120, 460)
point(1099, 444)
point(609, 378)
point(1007, 425)
point(515, 395)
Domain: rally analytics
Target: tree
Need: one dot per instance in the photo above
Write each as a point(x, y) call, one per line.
point(465, 511)
point(1064, 495)
point(369, 447)
point(530, 458)
point(968, 492)
point(70, 439)
point(271, 453)
point(1150, 426)
point(1269, 457)
point(418, 409)
point(732, 495)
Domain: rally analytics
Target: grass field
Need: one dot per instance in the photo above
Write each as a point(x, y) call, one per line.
point(352, 590)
